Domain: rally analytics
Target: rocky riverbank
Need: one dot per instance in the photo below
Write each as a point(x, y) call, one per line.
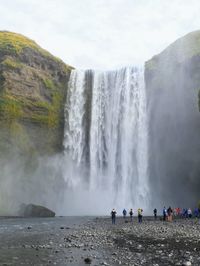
point(81, 241)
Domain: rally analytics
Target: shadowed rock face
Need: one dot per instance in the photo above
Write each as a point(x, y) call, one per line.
point(173, 83)
point(33, 88)
point(32, 210)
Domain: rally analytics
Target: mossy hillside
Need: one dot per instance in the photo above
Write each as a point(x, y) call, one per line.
point(12, 63)
point(16, 108)
point(46, 117)
point(47, 113)
point(49, 83)
point(22, 130)
point(10, 109)
point(14, 43)
point(20, 47)
point(33, 89)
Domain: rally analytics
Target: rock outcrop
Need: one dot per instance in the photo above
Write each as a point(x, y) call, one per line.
point(32, 210)
point(33, 88)
point(173, 83)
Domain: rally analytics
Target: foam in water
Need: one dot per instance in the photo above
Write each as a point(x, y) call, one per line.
point(106, 140)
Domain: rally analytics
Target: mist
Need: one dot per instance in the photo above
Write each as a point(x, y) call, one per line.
point(26, 180)
point(105, 158)
point(47, 181)
point(174, 126)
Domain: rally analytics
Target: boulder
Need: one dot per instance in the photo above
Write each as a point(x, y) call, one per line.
point(31, 210)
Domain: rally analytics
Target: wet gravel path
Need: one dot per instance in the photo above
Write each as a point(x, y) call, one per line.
point(81, 240)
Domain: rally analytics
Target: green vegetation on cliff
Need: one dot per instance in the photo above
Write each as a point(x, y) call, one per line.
point(33, 88)
point(10, 109)
point(15, 43)
point(12, 63)
point(49, 84)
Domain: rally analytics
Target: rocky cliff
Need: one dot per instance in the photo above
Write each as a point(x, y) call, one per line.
point(33, 88)
point(173, 82)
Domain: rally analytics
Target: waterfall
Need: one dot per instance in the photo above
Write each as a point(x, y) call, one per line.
point(106, 136)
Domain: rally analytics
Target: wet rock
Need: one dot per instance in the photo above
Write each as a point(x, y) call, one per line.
point(114, 254)
point(88, 261)
point(186, 263)
point(32, 210)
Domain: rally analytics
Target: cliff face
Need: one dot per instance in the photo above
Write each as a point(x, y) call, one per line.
point(173, 82)
point(33, 88)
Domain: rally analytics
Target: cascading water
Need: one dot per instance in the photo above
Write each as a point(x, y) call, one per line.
point(106, 137)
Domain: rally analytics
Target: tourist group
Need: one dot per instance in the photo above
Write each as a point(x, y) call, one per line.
point(124, 212)
point(167, 214)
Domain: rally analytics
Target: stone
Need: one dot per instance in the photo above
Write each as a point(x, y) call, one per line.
point(32, 210)
point(88, 261)
point(186, 263)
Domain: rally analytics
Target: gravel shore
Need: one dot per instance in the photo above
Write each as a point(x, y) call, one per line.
point(95, 241)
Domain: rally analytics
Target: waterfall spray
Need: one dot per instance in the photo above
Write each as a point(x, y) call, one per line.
point(106, 136)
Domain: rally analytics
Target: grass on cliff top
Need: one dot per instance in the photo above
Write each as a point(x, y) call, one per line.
point(14, 43)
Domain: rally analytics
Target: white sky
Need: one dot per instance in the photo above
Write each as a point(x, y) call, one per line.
point(101, 34)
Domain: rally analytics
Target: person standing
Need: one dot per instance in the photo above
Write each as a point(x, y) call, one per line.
point(178, 211)
point(189, 213)
point(164, 214)
point(140, 212)
point(169, 212)
point(124, 213)
point(155, 213)
point(196, 212)
point(113, 216)
point(131, 215)
point(199, 210)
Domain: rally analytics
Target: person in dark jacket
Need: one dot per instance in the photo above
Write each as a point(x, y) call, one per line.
point(155, 213)
point(131, 214)
point(124, 213)
point(113, 216)
point(164, 214)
